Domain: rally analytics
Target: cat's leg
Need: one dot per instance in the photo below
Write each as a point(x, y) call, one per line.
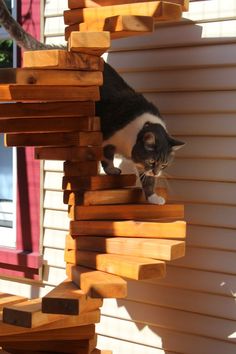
point(148, 184)
point(107, 162)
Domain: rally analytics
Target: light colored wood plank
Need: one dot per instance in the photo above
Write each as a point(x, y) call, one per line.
point(98, 351)
point(97, 284)
point(74, 168)
point(53, 139)
point(50, 77)
point(9, 299)
point(126, 212)
point(166, 250)
point(95, 43)
point(61, 59)
point(48, 124)
point(138, 268)
point(169, 230)
point(47, 110)
point(68, 299)
point(109, 196)
point(18, 93)
point(69, 153)
point(18, 334)
point(73, 346)
point(78, 4)
point(157, 9)
point(98, 182)
point(27, 314)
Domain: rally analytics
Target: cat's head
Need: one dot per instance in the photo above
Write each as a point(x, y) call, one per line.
point(154, 149)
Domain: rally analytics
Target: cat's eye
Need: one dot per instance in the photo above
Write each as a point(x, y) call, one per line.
point(151, 161)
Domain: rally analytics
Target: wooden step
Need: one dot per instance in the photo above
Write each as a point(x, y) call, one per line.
point(95, 43)
point(138, 268)
point(97, 182)
point(50, 77)
point(69, 153)
point(97, 284)
point(54, 139)
point(126, 212)
point(162, 229)
point(9, 299)
point(62, 59)
point(68, 299)
point(27, 93)
point(79, 4)
point(75, 168)
point(166, 250)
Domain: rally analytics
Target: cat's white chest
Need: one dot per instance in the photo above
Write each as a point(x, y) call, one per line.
point(125, 138)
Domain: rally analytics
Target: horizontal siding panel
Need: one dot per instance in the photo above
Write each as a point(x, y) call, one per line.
point(158, 337)
point(54, 166)
point(202, 192)
point(54, 257)
point(56, 219)
point(184, 80)
point(53, 275)
point(53, 7)
point(198, 280)
point(54, 238)
point(54, 25)
point(53, 180)
point(214, 9)
point(187, 322)
point(54, 200)
point(203, 169)
point(202, 124)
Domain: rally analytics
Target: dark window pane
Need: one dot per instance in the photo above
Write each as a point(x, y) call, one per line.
point(6, 53)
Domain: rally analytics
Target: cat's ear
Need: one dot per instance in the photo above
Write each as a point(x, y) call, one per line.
point(149, 140)
point(175, 144)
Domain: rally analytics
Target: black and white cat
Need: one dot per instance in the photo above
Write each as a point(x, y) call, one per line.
point(132, 126)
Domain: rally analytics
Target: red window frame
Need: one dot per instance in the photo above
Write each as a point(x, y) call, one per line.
point(25, 260)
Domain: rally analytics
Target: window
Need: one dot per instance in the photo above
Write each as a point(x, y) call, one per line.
point(19, 179)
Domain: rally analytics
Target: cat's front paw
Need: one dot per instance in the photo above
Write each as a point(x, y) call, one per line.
point(112, 170)
point(156, 199)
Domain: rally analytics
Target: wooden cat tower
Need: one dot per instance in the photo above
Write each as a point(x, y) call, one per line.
point(113, 233)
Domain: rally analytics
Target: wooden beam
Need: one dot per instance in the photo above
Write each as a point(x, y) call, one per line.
point(62, 59)
point(138, 268)
point(79, 4)
point(29, 93)
point(9, 299)
point(97, 182)
point(160, 11)
point(126, 212)
point(164, 229)
point(49, 124)
point(54, 139)
point(68, 299)
point(75, 168)
point(50, 77)
point(97, 284)
point(95, 43)
point(166, 250)
point(47, 109)
point(18, 334)
point(69, 153)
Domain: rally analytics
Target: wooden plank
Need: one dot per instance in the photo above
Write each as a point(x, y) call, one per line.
point(169, 230)
point(48, 124)
point(166, 250)
point(83, 346)
point(54, 139)
point(159, 10)
point(98, 182)
point(109, 196)
point(18, 93)
point(9, 299)
point(69, 153)
point(95, 43)
point(138, 268)
point(74, 168)
point(50, 77)
point(18, 334)
point(27, 314)
point(78, 4)
point(97, 284)
point(126, 212)
point(68, 299)
point(47, 109)
point(98, 351)
point(61, 59)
